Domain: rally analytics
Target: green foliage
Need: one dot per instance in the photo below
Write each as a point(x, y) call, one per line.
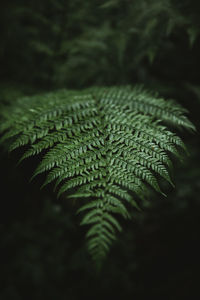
point(61, 41)
point(104, 146)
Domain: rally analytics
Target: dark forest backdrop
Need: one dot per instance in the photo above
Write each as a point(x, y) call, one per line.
point(46, 45)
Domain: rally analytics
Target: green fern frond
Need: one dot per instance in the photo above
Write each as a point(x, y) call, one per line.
point(104, 146)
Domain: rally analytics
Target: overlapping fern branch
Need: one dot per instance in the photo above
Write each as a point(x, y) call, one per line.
point(102, 145)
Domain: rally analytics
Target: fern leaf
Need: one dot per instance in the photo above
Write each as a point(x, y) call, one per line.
point(104, 146)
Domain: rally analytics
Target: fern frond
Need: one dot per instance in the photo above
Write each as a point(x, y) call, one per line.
point(104, 146)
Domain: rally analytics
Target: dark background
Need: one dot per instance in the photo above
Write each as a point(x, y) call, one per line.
point(47, 45)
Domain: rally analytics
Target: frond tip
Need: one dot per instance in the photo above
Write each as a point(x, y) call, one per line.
point(105, 146)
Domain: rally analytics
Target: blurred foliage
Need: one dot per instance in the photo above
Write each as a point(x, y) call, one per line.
point(80, 43)
point(50, 44)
